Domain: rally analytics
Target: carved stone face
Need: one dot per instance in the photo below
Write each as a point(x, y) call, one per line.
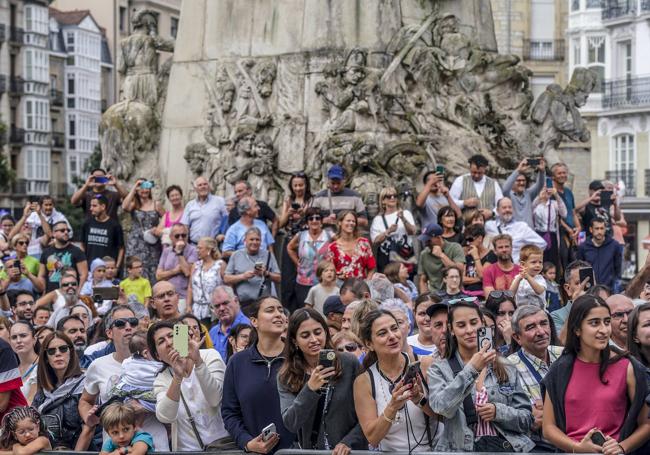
point(261, 150)
point(245, 144)
point(226, 101)
point(449, 25)
point(580, 98)
point(354, 75)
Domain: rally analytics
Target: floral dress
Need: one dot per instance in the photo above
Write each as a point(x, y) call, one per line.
point(310, 252)
point(142, 221)
point(203, 284)
point(355, 266)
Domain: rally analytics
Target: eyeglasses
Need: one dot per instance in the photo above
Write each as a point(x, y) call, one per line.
point(314, 218)
point(122, 322)
point(500, 294)
point(69, 284)
point(62, 230)
point(162, 295)
point(505, 313)
point(621, 314)
point(62, 349)
point(350, 347)
point(180, 236)
point(462, 300)
point(22, 243)
point(390, 196)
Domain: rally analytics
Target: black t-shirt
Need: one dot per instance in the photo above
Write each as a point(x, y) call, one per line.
point(470, 268)
point(54, 259)
point(596, 211)
point(114, 201)
point(102, 238)
point(266, 214)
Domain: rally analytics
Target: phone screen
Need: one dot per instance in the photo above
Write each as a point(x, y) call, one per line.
point(549, 182)
point(587, 272)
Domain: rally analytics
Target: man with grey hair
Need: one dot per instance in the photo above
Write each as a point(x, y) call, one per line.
point(381, 288)
point(225, 307)
point(203, 215)
point(620, 307)
point(249, 211)
point(252, 270)
point(531, 328)
point(266, 214)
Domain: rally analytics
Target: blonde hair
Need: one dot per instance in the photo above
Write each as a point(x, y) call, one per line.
point(382, 195)
point(17, 237)
point(212, 244)
point(116, 414)
point(363, 307)
point(529, 250)
point(346, 335)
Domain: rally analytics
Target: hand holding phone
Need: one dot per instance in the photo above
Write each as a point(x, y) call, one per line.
point(268, 431)
point(412, 372)
point(484, 338)
point(181, 339)
point(598, 438)
point(587, 273)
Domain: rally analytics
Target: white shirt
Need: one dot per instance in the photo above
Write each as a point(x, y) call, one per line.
point(377, 227)
point(457, 189)
point(521, 234)
point(413, 341)
point(526, 295)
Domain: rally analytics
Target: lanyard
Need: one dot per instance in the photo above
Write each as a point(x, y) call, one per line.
point(530, 366)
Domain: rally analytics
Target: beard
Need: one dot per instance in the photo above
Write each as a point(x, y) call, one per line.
point(506, 218)
point(70, 299)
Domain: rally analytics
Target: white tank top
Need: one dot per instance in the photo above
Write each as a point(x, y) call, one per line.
point(411, 417)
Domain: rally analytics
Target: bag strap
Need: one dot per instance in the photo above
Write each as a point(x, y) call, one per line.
point(468, 403)
point(63, 399)
point(373, 391)
point(530, 367)
point(264, 280)
point(383, 218)
point(191, 419)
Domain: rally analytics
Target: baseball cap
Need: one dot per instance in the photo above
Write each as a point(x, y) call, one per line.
point(432, 230)
point(333, 304)
point(596, 185)
point(433, 309)
point(336, 172)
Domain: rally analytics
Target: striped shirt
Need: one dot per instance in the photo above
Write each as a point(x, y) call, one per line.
point(483, 428)
point(530, 383)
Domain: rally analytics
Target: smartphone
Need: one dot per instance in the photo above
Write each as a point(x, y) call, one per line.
point(411, 372)
point(106, 293)
point(533, 161)
point(181, 339)
point(101, 179)
point(598, 438)
point(440, 170)
point(606, 197)
point(147, 185)
point(549, 182)
point(259, 265)
point(268, 431)
point(295, 206)
point(587, 272)
point(484, 337)
point(326, 358)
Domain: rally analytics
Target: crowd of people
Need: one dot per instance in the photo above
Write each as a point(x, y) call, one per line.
point(472, 317)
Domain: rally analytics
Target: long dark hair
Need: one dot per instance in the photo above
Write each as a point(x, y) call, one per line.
point(204, 331)
point(579, 311)
point(633, 345)
point(444, 211)
point(492, 305)
point(365, 333)
point(452, 345)
point(300, 175)
point(31, 329)
point(292, 373)
point(45, 376)
point(151, 337)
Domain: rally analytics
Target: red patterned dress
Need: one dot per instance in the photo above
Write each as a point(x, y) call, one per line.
point(357, 265)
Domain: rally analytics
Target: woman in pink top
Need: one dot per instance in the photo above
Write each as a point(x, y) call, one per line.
point(595, 395)
point(175, 197)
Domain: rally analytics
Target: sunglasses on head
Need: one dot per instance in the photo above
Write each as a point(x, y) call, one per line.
point(122, 322)
point(162, 295)
point(299, 174)
point(62, 349)
point(350, 347)
point(500, 294)
point(462, 300)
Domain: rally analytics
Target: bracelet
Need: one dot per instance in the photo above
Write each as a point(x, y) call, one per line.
point(391, 421)
point(621, 447)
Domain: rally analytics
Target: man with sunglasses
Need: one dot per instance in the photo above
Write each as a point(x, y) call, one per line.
point(620, 306)
point(101, 235)
point(165, 301)
point(60, 255)
point(176, 262)
point(437, 255)
point(225, 307)
point(522, 197)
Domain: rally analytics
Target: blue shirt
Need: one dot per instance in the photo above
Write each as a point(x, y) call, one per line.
point(235, 236)
point(567, 196)
point(220, 340)
point(202, 217)
point(139, 436)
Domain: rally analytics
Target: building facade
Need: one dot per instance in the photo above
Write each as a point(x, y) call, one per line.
point(612, 37)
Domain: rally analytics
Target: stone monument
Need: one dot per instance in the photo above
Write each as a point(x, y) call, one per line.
point(259, 89)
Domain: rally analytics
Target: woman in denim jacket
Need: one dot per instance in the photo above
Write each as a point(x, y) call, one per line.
point(484, 404)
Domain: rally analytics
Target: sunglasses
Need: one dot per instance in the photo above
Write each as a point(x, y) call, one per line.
point(462, 300)
point(122, 322)
point(314, 218)
point(500, 294)
point(390, 196)
point(69, 284)
point(350, 347)
point(162, 295)
point(180, 236)
point(62, 349)
point(22, 243)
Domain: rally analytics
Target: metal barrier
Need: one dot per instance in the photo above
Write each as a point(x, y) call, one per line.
point(288, 452)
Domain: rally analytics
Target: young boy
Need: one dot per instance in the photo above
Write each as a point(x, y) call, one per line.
point(553, 296)
point(135, 284)
point(118, 420)
point(111, 270)
point(326, 274)
point(529, 286)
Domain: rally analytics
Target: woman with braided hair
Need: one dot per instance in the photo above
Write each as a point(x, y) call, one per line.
point(23, 429)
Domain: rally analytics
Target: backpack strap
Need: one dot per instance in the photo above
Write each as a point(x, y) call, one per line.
point(468, 403)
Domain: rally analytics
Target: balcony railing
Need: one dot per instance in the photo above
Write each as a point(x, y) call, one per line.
point(3, 83)
point(24, 187)
point(3, 33)
point(647, 182)
point(613, 9)
point(17, 86)
point(17, 135)
point(627, 176)
point(16, 36)
point(58, 140)
point(56, 97)
point(629, 92)
point(551, 50)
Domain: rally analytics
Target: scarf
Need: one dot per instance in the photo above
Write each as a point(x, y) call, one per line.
point(71, 386)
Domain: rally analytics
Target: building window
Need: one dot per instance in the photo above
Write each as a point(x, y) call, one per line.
point(575, 52)
point(37, 115)
point(69, 41)
point(174, 27)
point(72, 144)
point(596, 59)
point(70, 85)
point(123, 19)
point(36, 65)
point(72, 125)
point(36, 19)
point(592, 4)
point(575, 5)
point(624, 161)
point(37, 164)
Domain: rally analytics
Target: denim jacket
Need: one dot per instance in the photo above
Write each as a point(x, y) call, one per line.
point(513, 411)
